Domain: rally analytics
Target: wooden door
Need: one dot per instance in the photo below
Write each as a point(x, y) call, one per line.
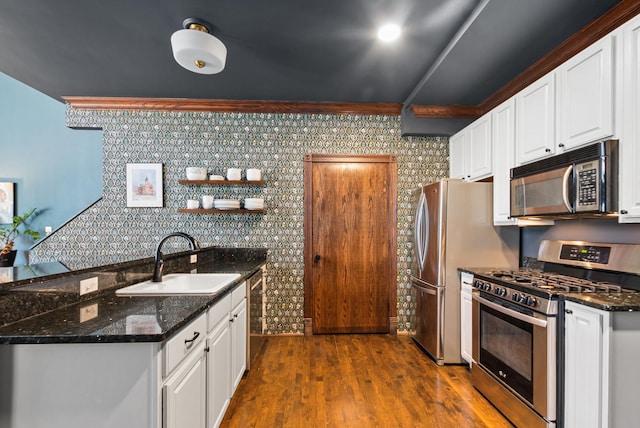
point(350, 251)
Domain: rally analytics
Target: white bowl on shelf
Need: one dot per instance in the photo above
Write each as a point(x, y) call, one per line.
point(196, 173)
point(254, 174)
point(234, 174)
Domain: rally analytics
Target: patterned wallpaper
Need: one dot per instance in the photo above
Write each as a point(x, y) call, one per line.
point(276, 143)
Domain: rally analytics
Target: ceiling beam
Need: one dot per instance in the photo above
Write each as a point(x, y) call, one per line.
point(589, 34)
point(203, 105)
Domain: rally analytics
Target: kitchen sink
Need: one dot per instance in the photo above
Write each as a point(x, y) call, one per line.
point(181, 284)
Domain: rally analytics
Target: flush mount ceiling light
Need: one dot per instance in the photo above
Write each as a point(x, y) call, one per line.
point(389, 33)
point(196, 49)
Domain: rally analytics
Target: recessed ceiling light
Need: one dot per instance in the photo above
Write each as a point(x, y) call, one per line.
point(389, 33)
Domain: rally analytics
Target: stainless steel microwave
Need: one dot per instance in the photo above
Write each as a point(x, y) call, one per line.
point(581, 181)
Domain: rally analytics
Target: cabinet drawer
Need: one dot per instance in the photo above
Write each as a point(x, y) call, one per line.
point(239, 294)
point(218, 311)
point(183, 342)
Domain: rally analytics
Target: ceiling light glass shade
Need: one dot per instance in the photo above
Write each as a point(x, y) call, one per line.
point(198, 51)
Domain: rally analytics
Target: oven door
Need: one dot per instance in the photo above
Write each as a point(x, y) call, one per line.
point(517, 347)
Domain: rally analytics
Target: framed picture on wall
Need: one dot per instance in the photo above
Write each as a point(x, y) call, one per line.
point(144, 185)
point(7, 202)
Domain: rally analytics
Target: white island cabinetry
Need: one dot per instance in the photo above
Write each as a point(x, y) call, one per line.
point(187, 380)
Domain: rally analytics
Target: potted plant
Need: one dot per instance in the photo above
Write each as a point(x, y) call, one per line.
point(8, 235)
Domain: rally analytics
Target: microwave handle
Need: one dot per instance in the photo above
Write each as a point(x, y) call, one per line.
point(565, 188)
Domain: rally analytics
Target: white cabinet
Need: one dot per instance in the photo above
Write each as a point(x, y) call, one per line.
point(466, 284)
point(227, 346)
point(457, 155)
point(503, 138)
point(238, 341)
point(601, 380)
point(585, 95)
point(629, 193)
point(584, 343)
point(185, 391)
point(535, 120)
point(218, 362)
point(470, 151)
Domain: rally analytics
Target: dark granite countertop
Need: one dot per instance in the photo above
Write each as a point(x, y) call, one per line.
point(110, 318)
point(628, 301)
point(613, 302)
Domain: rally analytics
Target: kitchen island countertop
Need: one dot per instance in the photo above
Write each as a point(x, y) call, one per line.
point(110, 318)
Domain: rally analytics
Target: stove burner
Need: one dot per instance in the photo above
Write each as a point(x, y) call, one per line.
point(554, 283)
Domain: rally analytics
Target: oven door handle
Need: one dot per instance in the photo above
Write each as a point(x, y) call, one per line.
point(511, 312)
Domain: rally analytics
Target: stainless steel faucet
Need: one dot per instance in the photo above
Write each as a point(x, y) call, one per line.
point(159, 263)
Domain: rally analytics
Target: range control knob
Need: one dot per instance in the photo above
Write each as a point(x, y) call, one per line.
point(486, 286)
point(516, 297)
point(500, 291)
point(477, 283)
point(530, 301)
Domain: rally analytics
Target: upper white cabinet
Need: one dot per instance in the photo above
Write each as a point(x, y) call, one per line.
point(585, 95)
point(470, 151)
point(535, 120)
point(503, 138)
point(629, 193)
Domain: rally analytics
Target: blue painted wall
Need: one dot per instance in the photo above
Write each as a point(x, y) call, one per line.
point(56, 169)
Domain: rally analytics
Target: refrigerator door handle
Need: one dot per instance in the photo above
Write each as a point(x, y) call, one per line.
point(419, 231)
point(425, 289)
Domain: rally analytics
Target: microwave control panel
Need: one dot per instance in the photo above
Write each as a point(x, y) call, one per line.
point(588, 186)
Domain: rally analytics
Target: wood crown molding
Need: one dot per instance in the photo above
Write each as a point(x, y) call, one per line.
point(589, 34)
point(204, 105)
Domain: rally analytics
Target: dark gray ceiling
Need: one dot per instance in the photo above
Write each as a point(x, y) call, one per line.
point(286, 50)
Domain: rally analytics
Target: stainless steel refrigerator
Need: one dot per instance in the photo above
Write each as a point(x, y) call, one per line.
point(453, 228)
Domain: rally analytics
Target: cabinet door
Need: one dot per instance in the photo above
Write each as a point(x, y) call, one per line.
point(478, 148)
point(503, 138)
point(238, 343)
point(535, 120)
point(585, 95)
point(457, 156)
point(218, 372)
point(629, 182)
point(184, 393)
point(466, 283)
point(583, 366)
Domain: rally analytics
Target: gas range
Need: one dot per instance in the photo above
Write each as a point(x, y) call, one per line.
point(569, 268)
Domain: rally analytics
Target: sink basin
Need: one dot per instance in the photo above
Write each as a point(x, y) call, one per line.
point(181, 284)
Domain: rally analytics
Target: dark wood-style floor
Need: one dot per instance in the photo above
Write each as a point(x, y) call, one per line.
point(355, 381)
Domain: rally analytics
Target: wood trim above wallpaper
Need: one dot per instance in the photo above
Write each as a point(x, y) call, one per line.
point(231, 106)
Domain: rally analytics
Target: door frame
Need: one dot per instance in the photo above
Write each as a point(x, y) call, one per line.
point(309, 160)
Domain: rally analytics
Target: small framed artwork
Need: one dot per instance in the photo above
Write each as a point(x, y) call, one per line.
point(7, 202)
point(144, 185)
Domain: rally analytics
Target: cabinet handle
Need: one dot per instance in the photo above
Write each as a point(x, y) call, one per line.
point(547, 150)
point(196, 334)
point(231, 320)
point(560, 145)
point(624, 212)
point(206, 349)
point(568, 311)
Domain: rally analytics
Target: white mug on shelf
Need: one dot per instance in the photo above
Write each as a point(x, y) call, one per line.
point(207, 202)
point(253, 174)
point(193, 204)
point(234, 174)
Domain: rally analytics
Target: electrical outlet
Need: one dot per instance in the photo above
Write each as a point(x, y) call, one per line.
point(194, 258)
point(88, 312)
point(88, 285)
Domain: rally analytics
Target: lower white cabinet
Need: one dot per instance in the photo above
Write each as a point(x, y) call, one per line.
point(184, 393)
point(601, 382)
point(466, 285)
point(227, 349)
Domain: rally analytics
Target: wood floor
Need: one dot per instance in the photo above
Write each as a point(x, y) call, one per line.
point(355, 381)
